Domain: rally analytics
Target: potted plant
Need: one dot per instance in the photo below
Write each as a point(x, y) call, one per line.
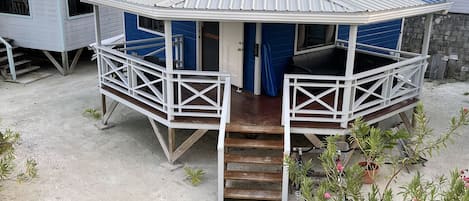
point(373, 142)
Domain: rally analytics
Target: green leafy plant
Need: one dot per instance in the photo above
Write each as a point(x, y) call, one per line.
point(92, 113)
point(344, 184)
point(8, 141)
point(194, 175)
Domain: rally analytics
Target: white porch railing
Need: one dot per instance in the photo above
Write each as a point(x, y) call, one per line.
point(11, 62)
point(195, 93)
point(317, 98)
point(286, 139)
point(225, 118)
point(152, 47)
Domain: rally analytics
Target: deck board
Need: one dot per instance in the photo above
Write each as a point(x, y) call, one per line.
point(248, 111)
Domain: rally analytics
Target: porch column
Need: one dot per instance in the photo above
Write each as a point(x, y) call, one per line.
point(257, 60)
point(97, 31)
point(168, 39)
point(427, 34)
point(348, 95)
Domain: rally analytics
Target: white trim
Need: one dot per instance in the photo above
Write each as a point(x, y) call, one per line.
point(67, 9)
point(273, 16)
point(314, 48)
point(198, 45)
point(258, 60)
point(19, 15)
point(148, 30)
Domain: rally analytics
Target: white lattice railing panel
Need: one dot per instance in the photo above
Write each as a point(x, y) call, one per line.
point(199, 93)
point(315, 98)
point(193, 93)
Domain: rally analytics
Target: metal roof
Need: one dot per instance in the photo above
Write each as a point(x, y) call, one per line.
point(279, 11)
point(347, 6)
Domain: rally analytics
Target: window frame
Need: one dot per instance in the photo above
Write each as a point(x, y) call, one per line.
point(148, 30)
point(30, 12)
point(80, 15)
point(318, 47)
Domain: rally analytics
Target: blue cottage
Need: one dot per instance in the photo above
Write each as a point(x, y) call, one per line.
point(280, 69)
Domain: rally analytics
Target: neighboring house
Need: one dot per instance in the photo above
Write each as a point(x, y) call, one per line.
point(53, 25)
point(279, 69)
point(450, 40)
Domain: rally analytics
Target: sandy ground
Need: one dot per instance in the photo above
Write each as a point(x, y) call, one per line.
point(79, 162)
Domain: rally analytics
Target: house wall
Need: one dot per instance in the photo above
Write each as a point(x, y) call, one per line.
point(385, 34)
point(41, 30)
point(79, 30)
point(460, 6)
point(50, 28)
point(187, 29)
point(450, 36)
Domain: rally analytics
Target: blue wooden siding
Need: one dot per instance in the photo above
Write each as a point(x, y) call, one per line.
point(186, 28)
point(385, 34)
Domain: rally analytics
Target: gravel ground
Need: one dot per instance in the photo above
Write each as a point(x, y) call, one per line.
point(79, 162)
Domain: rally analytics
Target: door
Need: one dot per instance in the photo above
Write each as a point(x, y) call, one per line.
point(231, 54)
point(210, 46)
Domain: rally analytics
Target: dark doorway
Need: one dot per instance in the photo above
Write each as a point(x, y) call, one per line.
point(210, 46)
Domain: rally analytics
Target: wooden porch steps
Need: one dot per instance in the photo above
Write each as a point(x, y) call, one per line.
point(249, 194)
point(22, 64)
point(253, 167)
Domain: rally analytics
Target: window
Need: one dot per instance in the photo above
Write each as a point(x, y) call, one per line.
point(314, 35)
point(151, 25)
point(17, 7)
point(75, 7)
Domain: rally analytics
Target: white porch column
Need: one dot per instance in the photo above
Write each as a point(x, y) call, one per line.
point(97, 31)
point(427, 34)
point(348, 95)
point(257, 60)
point(168, 39)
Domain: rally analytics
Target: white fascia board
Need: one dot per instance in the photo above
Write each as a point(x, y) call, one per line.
point(270, 16)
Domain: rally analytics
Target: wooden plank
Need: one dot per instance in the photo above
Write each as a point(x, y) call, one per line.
point(314, 140)
point(106, 116)
point(406, 121)
point(75, 60)
point(265, 160)
point(251, 194)
point(54, 61)
point(254, 176)
point(65, 62)
point(160, 139)
point(171, 141)
point(248, 143)
point(257, 129)
point(188, 143)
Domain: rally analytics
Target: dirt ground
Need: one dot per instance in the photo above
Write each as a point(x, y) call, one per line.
point(79, 162)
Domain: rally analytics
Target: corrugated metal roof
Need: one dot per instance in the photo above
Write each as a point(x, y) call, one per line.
point(289, 5)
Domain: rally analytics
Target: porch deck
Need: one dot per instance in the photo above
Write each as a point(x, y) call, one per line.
point(261, 114)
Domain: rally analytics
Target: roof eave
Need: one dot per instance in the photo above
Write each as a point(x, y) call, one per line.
point(271, 16)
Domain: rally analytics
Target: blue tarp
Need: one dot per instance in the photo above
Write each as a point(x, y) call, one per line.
point(269, 76)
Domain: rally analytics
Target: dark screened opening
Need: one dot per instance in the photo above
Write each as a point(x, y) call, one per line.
point(17, 7)
point(210, 46)
point(151, 24)
point(75, 7)
point(315, 35)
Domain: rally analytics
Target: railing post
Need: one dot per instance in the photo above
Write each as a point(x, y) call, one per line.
point(169, 67)
point(286, 83)
point(286, 145)
point(11, 62)
point(228, 83)
point(348, 99)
